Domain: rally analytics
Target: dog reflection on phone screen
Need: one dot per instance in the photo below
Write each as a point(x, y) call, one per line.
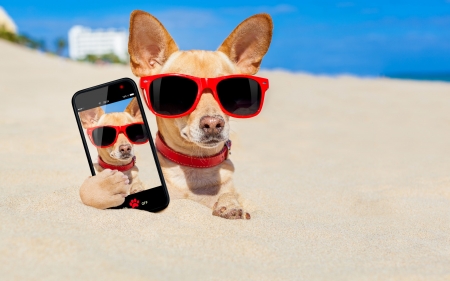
point(114, 135)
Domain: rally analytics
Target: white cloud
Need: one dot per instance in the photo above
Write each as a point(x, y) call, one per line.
point(192, 18)
point(284, 8)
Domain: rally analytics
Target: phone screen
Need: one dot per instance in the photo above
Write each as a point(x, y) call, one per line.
point(117, 137)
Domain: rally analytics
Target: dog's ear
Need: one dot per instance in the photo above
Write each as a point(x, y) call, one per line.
point(149, 45)
point(90, 117)
point(133, 109)
point(249, 42)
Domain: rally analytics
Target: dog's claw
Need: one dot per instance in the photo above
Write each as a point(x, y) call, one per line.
point(231, 212)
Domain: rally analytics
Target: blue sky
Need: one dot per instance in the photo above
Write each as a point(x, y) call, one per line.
point(118, 106)
point(321, 36)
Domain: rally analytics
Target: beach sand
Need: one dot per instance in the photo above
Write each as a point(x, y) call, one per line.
point(348, 179)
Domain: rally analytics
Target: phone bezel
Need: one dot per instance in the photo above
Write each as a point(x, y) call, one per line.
point(138, 195)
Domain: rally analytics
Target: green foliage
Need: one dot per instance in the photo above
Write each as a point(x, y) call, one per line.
point(61, 44)
point(20, 39)
point(105, 58)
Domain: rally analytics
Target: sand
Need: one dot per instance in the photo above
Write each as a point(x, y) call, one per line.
point(348, 178)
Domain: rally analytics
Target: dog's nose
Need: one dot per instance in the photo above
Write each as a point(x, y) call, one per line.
point(211, 125)
point(125, 148)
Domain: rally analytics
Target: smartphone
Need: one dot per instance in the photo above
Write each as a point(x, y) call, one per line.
point(116, 136)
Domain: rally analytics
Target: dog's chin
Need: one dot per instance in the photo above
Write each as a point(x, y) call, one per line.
point(123, 157)
point(210, 143)
point(204, 142)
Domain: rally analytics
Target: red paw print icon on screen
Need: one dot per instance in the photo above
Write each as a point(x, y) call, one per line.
point(134, 203)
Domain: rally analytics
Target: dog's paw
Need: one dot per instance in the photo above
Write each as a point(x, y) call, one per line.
point(228, 207)
point(136, 187)
point(107, 189)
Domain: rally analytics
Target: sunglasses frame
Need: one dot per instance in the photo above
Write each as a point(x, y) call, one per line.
point(119, 130)
point(202, 84)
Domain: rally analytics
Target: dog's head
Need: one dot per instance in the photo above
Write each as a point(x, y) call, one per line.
point(153, 51)
point(122, 150)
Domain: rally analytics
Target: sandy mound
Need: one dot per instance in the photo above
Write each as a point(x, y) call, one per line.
point(348, 178)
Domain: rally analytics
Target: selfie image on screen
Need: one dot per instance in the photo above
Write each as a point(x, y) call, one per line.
point(117, 139)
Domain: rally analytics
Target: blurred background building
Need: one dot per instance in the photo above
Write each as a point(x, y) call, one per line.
point(84, 41)
point(6, 21)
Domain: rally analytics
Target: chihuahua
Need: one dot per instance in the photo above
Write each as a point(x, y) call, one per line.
point(203, 133)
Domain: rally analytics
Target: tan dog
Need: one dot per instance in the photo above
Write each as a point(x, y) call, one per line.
point(119, 154)
point(204, 131)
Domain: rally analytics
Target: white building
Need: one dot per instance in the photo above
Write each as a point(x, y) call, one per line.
point(6, 21)
point(85, 41)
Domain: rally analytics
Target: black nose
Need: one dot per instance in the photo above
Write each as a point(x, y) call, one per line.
point(125, 148)
point(212, 125)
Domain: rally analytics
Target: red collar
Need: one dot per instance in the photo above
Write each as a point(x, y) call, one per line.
point(192, 161)
point(121, 168)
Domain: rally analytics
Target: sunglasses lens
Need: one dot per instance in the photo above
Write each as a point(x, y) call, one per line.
point(136, 133)
point(172, 95)
point(240, 96)
point(103, 136)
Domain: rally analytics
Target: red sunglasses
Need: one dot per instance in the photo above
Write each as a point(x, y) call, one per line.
point(106, 136)
point(177, 95)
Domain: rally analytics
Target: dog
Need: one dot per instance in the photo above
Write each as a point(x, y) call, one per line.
point(153, 51)
point(117, 157)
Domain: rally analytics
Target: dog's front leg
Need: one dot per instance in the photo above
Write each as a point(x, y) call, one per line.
point(135, 182)
point(229, 207)
point(107, 189)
